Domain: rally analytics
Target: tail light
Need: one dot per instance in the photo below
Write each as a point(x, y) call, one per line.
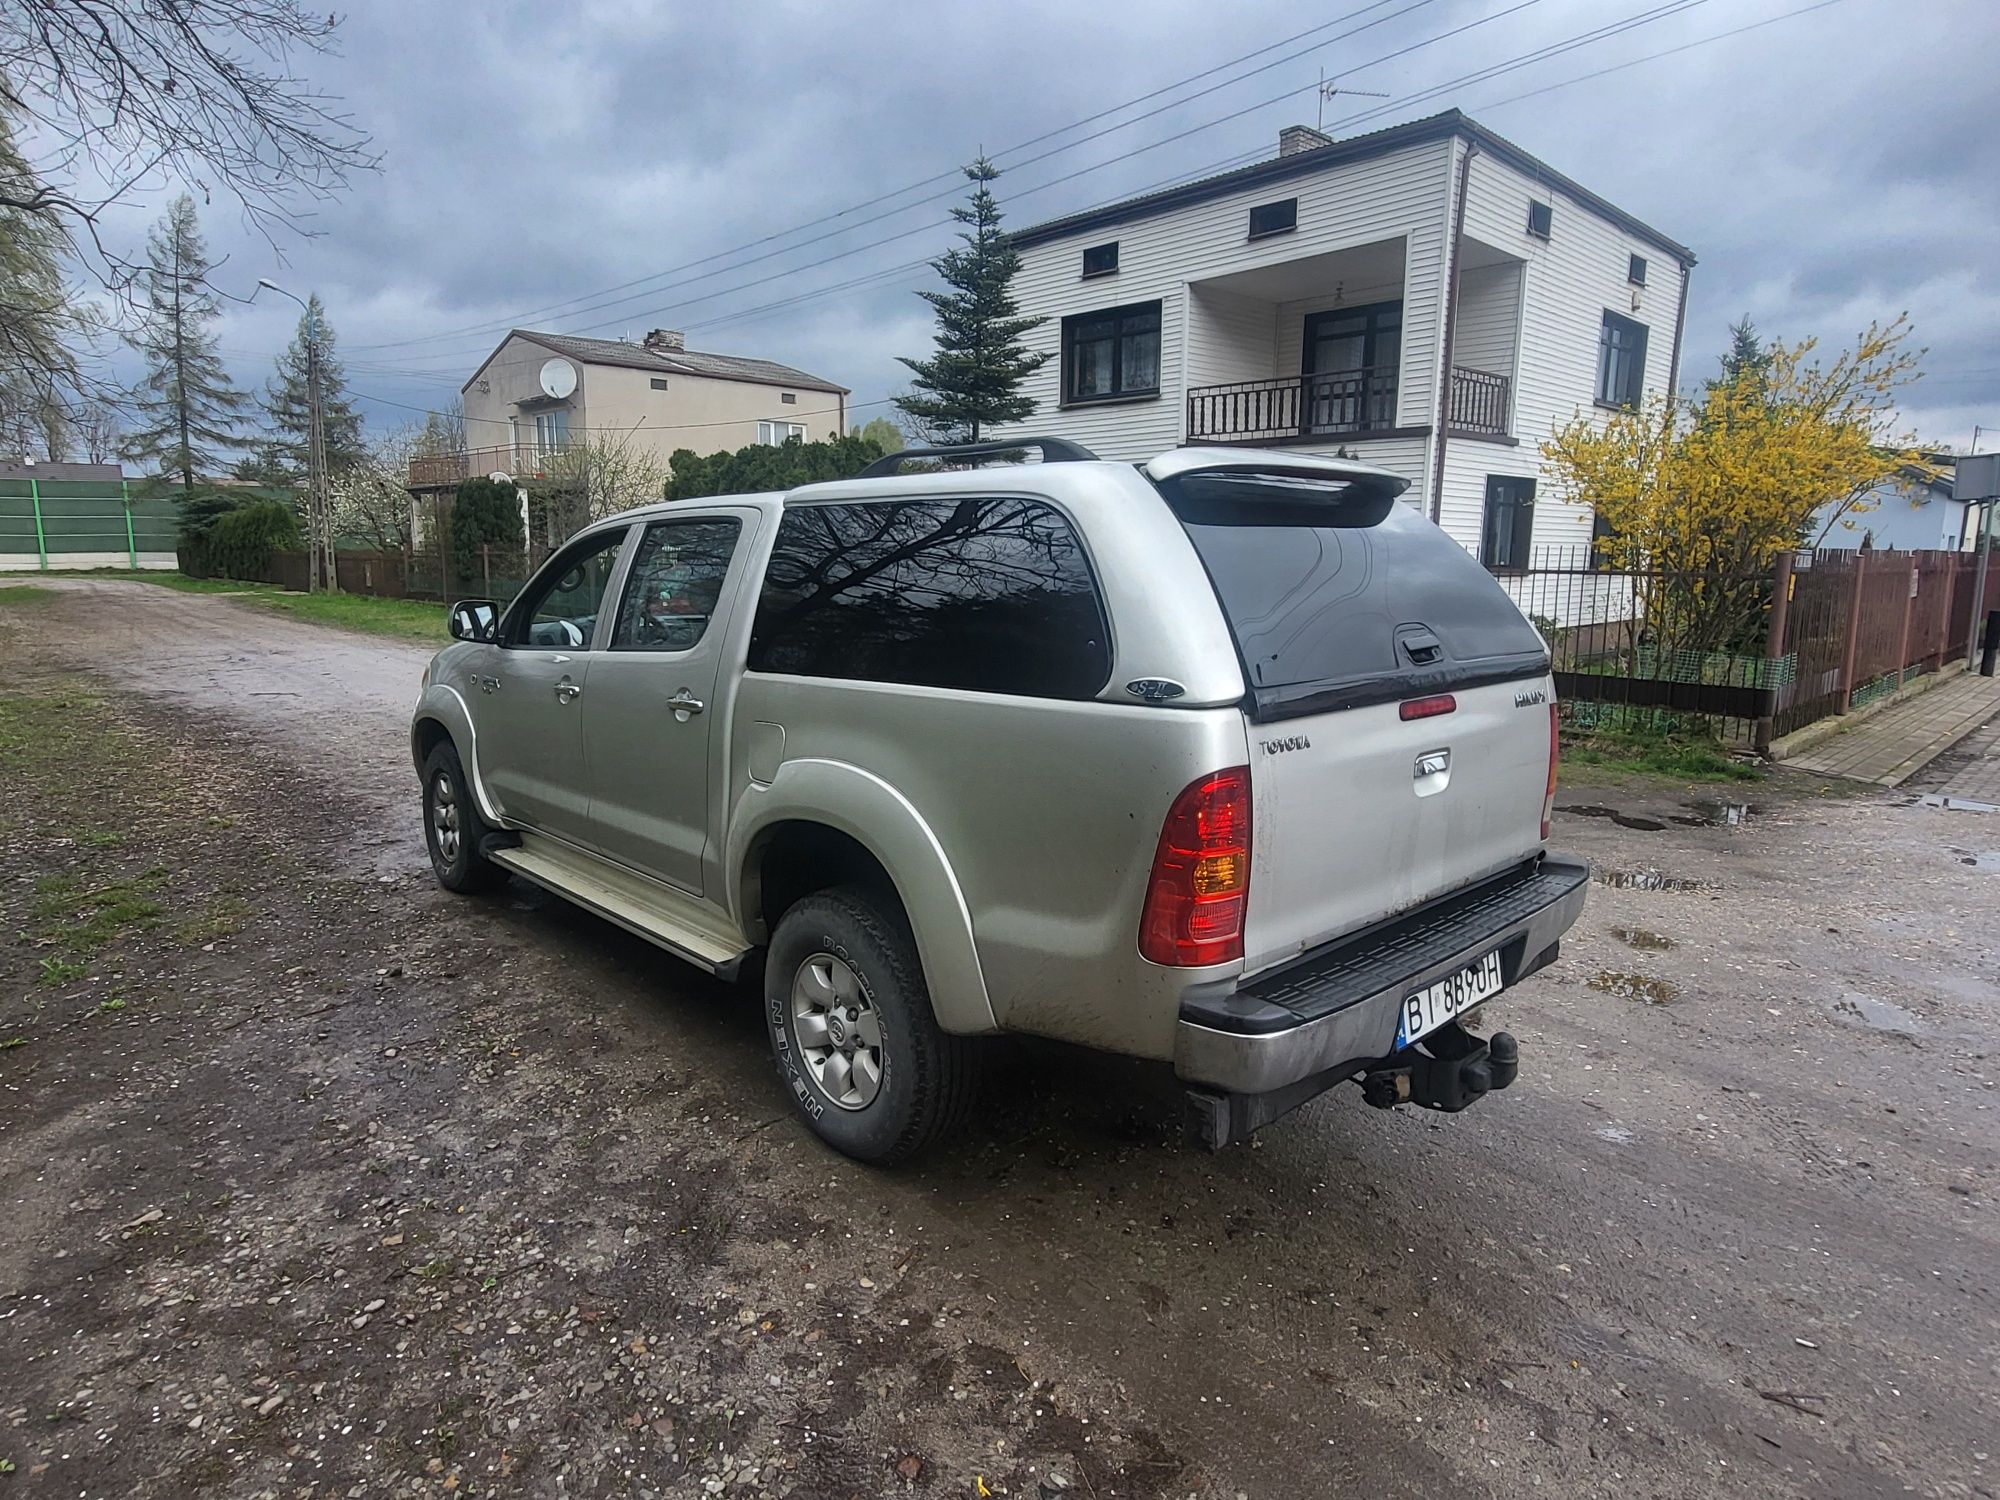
point(1549, 796)
point(1200, 886)
point(1427, 708)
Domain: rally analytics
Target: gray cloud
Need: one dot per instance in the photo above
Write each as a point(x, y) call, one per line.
point(1828, 169)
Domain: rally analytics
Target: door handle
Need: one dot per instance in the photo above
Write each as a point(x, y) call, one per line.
point(567, 692)
point(685, 702)
point(487, 684)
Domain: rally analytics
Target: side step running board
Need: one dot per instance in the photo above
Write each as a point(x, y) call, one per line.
point(671, 919)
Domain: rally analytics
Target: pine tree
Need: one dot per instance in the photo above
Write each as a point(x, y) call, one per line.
point(1747, 357)
point(974, 379)
point(286, 456)
point(185, 408)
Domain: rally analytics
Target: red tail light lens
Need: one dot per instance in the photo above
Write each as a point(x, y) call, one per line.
point(1200, 885)
point(1428, 708)
point(1555, 752)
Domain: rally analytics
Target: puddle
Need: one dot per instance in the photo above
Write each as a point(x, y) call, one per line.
point(1880, 1015)
point(1646, 880)
point(1622, 819)
point(1618, 1135)
point(1639, 937)
point(1990, 860)
point(1956, 804)
point(1623, 986)
point(1713, 813)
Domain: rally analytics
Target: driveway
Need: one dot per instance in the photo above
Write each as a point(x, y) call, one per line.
point(493, 1169)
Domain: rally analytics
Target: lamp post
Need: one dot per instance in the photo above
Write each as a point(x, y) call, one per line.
point(319, 507)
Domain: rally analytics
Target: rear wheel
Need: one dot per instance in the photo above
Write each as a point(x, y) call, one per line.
point(852, 1030)
point(453, 827)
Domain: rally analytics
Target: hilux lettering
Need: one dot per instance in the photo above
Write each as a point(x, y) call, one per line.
point(1529, 697)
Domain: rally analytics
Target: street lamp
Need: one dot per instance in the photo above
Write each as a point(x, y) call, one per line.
point(319, 507)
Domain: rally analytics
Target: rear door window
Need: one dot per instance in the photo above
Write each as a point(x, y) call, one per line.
point(986, 595)
point(1339, 595)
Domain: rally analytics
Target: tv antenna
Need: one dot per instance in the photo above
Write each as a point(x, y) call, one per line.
point(1328, 90)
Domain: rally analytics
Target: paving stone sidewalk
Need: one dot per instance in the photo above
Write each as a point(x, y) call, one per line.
point(1890, 747)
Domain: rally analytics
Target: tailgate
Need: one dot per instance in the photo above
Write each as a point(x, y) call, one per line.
point(1346, 831)
point(1398, 699)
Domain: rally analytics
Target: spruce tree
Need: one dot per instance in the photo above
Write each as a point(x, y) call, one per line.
point(286, 456)
point(185, 408)
point(974, 379)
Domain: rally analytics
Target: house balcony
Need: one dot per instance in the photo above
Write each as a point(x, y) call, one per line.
point(438, 471)
point(1353, 403)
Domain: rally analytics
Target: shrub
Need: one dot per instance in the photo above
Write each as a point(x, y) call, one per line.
point(761, 467)
point(484, 513)
point(238, 543)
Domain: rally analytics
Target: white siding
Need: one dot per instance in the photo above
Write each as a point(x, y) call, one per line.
point(1568, 283)
point(1489, 318)
point(1229, 337)
point(1401, 194)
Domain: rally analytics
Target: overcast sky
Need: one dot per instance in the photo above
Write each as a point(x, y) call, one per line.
point(1829, 168)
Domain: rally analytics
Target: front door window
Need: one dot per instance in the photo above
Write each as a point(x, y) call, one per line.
point(560, 606)
point(1352, 356)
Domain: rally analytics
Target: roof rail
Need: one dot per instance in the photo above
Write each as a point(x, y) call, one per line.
point(1053, 451)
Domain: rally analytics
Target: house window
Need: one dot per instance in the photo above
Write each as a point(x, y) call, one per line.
point(790, 398)
point(1101, 260)
point(658, 382)
point(777, 434)
point(1621, 361)
point(1603, 543)
point(1541, 217)
point(1510, 523)
point(1351, 357)
point(552, 430)
point(1274, 218)
point(1636, 272)
point(1111, 354)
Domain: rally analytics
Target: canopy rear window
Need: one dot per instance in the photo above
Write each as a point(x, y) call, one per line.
point(1340, 595)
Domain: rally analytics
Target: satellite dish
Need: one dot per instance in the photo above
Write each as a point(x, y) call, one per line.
point(501, 476)
point(558, 378)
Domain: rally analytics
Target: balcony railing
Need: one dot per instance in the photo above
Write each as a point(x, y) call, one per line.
point(1479, 402)
point(1292, 408)
point(440, 470)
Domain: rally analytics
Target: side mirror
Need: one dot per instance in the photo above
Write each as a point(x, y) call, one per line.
point(475, 620)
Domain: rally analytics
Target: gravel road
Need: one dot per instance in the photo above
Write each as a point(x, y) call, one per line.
point(1732, 1233)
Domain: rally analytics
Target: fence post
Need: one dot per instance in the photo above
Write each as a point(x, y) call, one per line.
point(131, 542)
point(1774, 645)
point(1909, 609)
point(41, 536)
point(1853, 633)
point(486, 570)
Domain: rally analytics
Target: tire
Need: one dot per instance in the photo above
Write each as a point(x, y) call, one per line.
point(846, 959)
point(453, 827)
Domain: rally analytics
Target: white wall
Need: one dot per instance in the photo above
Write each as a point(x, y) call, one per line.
point(1567, 283)
point(1909, 518)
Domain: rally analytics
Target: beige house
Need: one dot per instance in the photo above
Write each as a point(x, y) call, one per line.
point(540, 392)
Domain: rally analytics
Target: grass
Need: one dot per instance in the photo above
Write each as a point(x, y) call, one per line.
point(24, 593)
point(401, 619)
point(1679, 757)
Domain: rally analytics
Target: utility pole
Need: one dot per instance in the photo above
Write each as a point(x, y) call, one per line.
point(320, 566)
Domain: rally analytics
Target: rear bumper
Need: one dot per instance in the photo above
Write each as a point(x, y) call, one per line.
point(1338, 1005)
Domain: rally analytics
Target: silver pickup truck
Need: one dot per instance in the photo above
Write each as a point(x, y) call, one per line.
point(1228, 760)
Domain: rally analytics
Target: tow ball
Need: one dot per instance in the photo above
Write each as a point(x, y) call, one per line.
point(1447, 1070)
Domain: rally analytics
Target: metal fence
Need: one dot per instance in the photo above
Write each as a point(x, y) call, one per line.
point(1832, 631)
point(84, 523)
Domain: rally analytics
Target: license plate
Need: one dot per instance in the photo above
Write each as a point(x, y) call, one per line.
point(1453, 995)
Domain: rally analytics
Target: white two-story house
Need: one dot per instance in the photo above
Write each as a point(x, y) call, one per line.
point(1430, 298)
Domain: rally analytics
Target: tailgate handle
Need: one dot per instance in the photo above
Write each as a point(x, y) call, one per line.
point(1422, 647)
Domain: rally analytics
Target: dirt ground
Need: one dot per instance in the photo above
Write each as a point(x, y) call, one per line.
point(316, 1181)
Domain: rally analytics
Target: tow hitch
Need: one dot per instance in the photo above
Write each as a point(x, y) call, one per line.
point(1447, 1070)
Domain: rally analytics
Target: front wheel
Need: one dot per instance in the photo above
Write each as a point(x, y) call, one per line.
point(852, 1030)
point(453, 827)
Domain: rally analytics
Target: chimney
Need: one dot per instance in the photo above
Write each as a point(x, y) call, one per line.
point(662, 340)
point(1296, 138)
